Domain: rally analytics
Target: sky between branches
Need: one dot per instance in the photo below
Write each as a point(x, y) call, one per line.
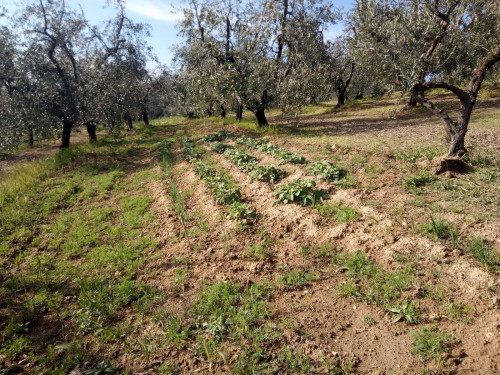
point(161, 15)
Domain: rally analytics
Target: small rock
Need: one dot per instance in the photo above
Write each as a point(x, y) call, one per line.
point(3, 358)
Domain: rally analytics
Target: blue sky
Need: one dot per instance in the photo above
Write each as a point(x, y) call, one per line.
point(160, 14)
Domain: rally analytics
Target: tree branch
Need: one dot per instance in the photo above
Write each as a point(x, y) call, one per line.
point(461, 94)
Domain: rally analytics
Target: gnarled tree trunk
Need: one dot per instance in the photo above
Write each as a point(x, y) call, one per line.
point(456, 130)
point(259, 112)
point(91, 130)
point(260, 115)
point(66, 134)
point(145, 116)
point(342, 87)
point(31, 139)
point(128, 121)
point(239, 112)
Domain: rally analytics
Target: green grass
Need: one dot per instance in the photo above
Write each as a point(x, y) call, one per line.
point(430, 343)
point(71, 245)
point(369, 282)
point(414, 184)
point(297, 279)
point(343, 214)
point(481, 249)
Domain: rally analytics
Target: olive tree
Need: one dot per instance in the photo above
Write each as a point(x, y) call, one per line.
point(423, 44)
point(254, 55)
point(60, 72)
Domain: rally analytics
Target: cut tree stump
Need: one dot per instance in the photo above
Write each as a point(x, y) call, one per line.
point(448, 165)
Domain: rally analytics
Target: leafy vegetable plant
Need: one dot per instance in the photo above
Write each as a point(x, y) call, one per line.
point(267, 173)
point(300, 191)
point(327, 171)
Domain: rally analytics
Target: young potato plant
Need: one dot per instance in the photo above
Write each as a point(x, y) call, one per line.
point(188, 149)
point(300, 191)
point(224, 190)
point(219, 136)
point(327, 171)
point(267, 173)
point(245, 161)
point(220, 147)
point(269, 148)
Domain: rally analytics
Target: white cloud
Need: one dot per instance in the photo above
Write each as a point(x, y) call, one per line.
point(154, 9)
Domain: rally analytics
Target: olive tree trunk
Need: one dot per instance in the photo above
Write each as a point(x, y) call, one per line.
point(91, 130)
point(128, 121)
point(145, 116)
point(456, 130)
point(66, 133)
point(239, 112)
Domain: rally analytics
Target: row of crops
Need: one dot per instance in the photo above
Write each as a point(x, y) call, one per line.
point(300, 190)
point(223, 189)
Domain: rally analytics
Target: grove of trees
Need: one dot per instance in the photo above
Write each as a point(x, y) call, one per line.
point(58, 72)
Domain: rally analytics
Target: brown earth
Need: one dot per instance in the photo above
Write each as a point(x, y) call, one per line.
point(329, 325)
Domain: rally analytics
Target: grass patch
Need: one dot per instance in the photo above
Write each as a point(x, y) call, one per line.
point(343, 214)
point(430, 343)
point(414, 184)
point(369, 282)
point(481, 249)
point(297, 279)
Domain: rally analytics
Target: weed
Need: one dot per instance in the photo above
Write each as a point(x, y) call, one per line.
point(349, 289)
point(258, 251)
point(301, 191)
point(414, 184)
point(358, 265)
point(181, 277)
point(369, 321)
point(458, 311)
point(454, 236)
point(413, 155)
point(439, 228)
point(296, 279)
point(370, 282)
point(322, 251)
point(407, 310)
point(343, 214)
point(295, 361)
point(482, 251)
point(102, 368)
point(430, 343)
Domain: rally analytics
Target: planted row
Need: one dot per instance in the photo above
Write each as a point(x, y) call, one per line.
point(223, 189)
point(247, 162)
point(263, 145)
point(323, 169)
